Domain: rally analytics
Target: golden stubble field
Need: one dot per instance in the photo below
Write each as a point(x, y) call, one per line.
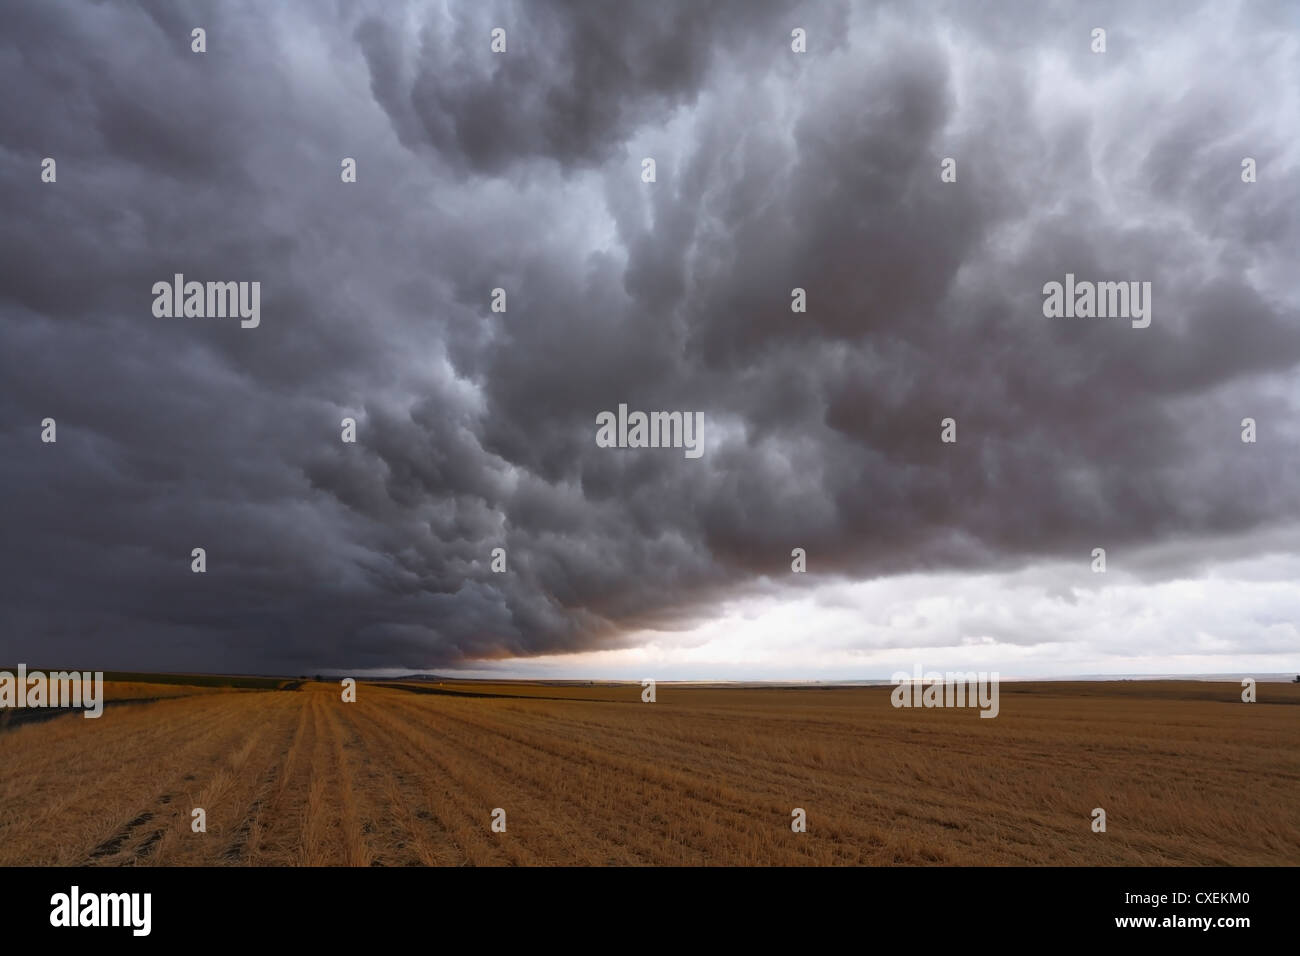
point(1186, 772)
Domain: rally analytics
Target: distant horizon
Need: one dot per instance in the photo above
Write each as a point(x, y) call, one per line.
point(389, 674)
point(1261, 677)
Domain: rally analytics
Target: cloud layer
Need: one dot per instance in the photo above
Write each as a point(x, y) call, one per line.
point(521, 171)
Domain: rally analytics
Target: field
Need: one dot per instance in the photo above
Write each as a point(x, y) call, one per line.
point(409, 775)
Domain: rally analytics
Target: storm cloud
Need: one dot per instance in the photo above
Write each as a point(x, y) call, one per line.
point(522, 171)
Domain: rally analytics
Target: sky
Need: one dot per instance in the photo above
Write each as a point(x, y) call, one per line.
point(476, 429)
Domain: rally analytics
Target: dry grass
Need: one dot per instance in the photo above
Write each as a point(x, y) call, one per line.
point(141, 690)
point(591, 775)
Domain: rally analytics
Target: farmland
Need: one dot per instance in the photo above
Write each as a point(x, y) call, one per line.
point(409, 775)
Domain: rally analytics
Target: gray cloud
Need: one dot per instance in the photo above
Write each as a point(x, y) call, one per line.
point(477, 430)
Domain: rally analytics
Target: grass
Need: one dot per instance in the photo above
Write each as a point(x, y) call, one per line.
point(1187, 775)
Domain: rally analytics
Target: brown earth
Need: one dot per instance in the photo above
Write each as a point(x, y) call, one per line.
point(589, 774)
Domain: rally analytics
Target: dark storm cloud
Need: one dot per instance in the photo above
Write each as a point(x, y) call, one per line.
point(476, 430)
point(580, 77)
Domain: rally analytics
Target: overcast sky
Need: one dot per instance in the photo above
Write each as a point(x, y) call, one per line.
point(476, 430)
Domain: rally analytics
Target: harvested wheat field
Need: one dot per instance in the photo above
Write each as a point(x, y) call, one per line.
point(409, 775)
